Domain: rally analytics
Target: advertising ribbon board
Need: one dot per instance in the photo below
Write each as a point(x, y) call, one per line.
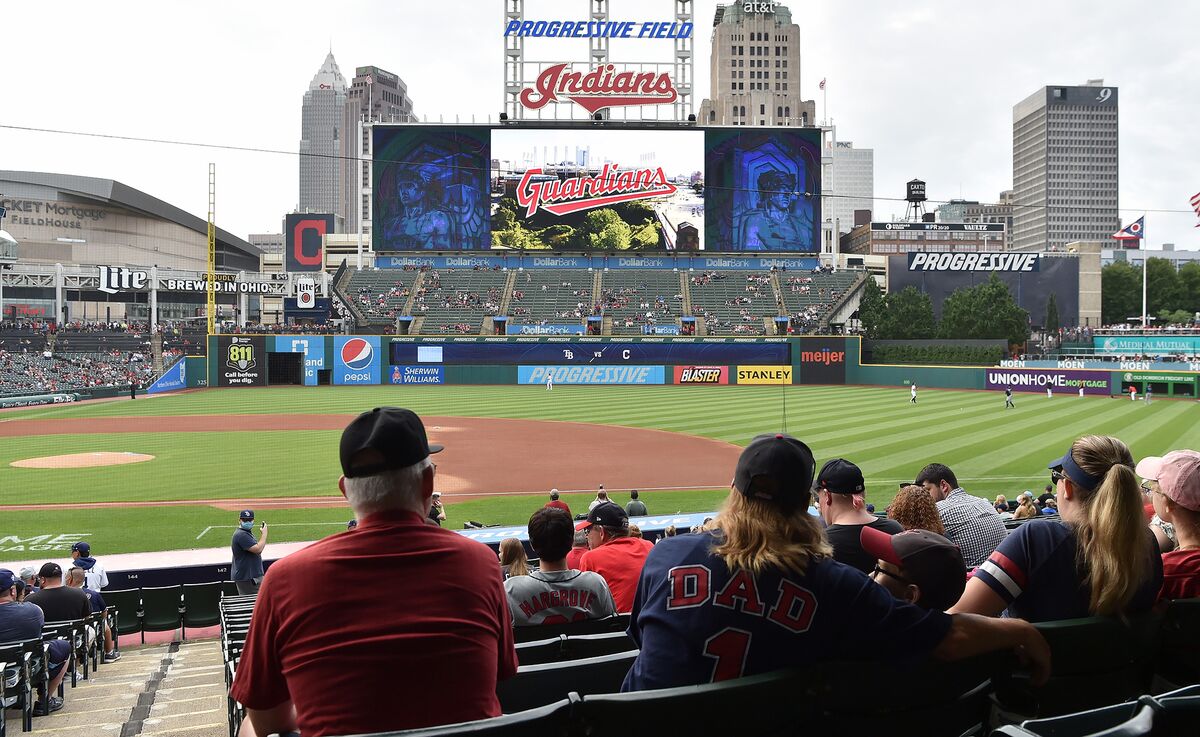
point(774, 375)
point(418, 375)
point(591, 374)
point(1032, 380)
point(241, 360)
point(356, 360)
point(701, 374)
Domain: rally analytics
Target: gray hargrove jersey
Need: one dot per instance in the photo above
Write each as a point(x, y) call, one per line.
point(557, 597)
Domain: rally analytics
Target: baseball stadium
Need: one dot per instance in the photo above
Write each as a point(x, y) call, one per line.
point(556, 329)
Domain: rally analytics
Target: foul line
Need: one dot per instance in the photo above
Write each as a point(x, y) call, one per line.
point(276, 524)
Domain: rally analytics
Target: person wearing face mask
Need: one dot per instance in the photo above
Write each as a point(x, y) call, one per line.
point(247, 570)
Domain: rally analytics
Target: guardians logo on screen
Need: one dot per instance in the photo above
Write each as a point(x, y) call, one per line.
point(576, 194)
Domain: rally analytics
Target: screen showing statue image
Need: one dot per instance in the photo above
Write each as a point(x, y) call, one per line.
point(764, 189)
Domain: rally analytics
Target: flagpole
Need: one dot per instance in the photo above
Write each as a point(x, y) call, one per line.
point(1145, 270)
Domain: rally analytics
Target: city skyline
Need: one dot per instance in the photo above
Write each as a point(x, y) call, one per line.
point(892, 90)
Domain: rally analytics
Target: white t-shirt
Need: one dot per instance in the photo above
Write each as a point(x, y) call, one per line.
point(564, 595)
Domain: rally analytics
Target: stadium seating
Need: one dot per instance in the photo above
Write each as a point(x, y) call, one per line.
point(550, 720)
point(201, 604)
point(457, 300)
point(1172, 714)
point(381, 295)
point(623, 291)
point(27, 673)
point(128, 606)
point(76, 632)
point(807, 297)
point(553, 296)
point(615, 623)
point(713, 296)
point(538, 685)
point(556, 649)
point(162, 609)
point(1179, 649)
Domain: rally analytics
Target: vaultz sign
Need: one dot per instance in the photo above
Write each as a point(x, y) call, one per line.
point(575, 194)
point(600, 88)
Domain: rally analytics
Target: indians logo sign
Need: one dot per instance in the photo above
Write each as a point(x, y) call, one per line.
point(575, 194)
point(599, 88)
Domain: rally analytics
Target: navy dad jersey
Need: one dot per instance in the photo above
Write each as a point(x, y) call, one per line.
point(697, 623)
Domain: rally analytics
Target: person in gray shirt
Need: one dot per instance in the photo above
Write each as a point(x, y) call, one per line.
point(555, 594)
point(635, 507)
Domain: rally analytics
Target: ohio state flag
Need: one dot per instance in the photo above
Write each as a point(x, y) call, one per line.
point(1131, 234)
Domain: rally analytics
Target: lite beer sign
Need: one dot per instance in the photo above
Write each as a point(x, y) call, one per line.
point(599, 88)
point(575, 194)
point(114, 279)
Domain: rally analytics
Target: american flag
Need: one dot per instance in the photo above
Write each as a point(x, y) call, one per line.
point(1196, 206)
point(822, 85)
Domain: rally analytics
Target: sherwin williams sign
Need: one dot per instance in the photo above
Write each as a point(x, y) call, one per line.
point(418, 375)
point(1186, 344)
point(591, 374)
point(1032, 380)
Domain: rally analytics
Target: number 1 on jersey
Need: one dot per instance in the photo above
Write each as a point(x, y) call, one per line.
point(728, 647)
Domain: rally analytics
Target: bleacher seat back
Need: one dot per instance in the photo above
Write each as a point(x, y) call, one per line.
point(201, 604)
point(1095, 661)
point(128, 603)
point(575, 647)
point(160, 608)
point(761, 705)
point(1179, 651)
point(538, 685)
point(552, 720)
point(615, 623)
point(536, 652)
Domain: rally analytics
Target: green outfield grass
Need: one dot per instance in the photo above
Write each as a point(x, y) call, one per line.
point(991, 449)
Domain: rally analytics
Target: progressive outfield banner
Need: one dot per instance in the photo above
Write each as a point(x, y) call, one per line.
point(1033, 380)
point(591, 374)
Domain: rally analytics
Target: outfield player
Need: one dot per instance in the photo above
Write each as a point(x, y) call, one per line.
point(913, 398)
point(1008, 402)
point(1148, 394)
point(758, 592)
point(1081, 392)
point(549, 381)
point(1133, 393)
point(1049, 392)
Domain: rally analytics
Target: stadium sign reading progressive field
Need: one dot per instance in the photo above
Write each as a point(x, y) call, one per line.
point(590, 374)
point(923, 261)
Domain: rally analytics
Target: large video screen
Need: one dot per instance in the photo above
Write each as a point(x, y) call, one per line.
point(581, 189)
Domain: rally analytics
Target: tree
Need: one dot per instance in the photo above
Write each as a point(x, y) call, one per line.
point(1189, 281)
point(959, 314)
point(910, 314)
point(1121, 290)
point(872, 311)
point(516, 238)
point(1163, 289)
point(985, 312)
point(605, 230)
point(503, 219)
point(1051, 325)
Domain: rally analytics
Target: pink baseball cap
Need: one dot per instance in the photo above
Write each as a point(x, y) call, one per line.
point(1179, 478)
point(1149, 467)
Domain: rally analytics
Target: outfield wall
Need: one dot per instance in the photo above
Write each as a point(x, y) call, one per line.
point(258, 360)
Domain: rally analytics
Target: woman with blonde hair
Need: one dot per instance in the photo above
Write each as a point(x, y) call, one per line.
point(914, 509)
point(1026, 509)
point(758, 590)
point(512, 558)
point(1001, 504)
point(1097, 559)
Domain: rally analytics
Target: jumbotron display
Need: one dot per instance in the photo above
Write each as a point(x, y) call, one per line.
point(576, 189)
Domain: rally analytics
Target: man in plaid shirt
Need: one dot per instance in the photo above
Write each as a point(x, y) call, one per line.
point(971, 522)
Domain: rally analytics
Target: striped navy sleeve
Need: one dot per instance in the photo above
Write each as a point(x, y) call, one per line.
point(1006, 570)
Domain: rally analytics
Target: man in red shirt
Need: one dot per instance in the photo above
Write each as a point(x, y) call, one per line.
point(556, 504)
point(1177, 500)
point(412, 599)
point(613, 553)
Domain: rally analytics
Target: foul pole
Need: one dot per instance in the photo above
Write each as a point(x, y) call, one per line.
point(211, 296)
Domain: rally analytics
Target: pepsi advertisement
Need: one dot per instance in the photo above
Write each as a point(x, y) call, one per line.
point(356, 360)
point(477, 188)
point(648, 354)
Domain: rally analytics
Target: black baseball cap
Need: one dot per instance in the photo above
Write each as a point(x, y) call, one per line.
point(608, 514)
point(777, 468)
point(840, 476)
point(926, 558)
point(50, 570)
point(396, 435)
point(82, 548)
point(8, 579)
point(246, 515)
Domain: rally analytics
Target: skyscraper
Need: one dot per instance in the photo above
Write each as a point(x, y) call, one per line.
point(322, 119)
point(375, 95)
point(1065, 177)
point(755, 68)
point(852, 181)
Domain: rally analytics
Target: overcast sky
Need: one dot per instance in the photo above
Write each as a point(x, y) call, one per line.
point(929, 85)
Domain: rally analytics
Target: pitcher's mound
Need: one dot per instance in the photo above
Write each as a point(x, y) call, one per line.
point(82, 460)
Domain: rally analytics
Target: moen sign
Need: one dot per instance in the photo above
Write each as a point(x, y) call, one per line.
point(923, 261)
point(599, 88)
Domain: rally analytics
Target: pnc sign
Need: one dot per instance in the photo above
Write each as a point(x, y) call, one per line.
point(599, 88)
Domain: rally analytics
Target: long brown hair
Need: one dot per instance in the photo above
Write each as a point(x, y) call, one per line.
point(914, 509)
point(1111, 528)
point(512, 554)
point(756, 535)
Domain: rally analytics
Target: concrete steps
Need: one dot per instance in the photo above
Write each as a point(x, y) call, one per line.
point(175, 689)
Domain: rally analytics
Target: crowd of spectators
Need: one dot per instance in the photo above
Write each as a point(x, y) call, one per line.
point(54, 372)
point(795, 588)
